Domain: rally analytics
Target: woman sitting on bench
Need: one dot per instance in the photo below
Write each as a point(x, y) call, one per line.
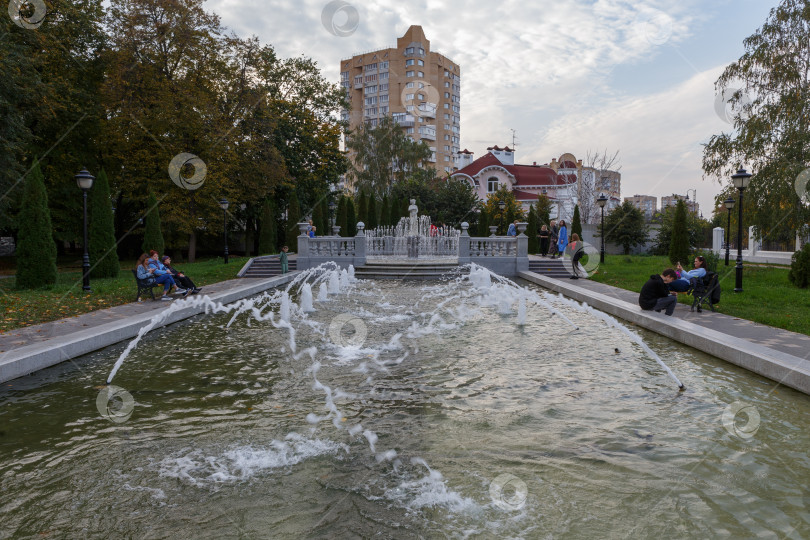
point(682, 283)
point(160, 273)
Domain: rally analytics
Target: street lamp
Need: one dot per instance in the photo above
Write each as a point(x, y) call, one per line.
point(85, 181)
point(502, 205)
point(224, 205)
point(740, 180)
point(332, 207)
point(729, 203)
point(602, 201)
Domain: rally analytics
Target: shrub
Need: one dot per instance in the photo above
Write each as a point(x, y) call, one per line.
point(799, 273)
point(36, 250)
point(712, 259)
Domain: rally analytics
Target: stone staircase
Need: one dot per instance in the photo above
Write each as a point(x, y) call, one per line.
point(548, 267)
point(406, 270)
point(264, 267)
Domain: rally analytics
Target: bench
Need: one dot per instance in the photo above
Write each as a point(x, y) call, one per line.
point(145, 285)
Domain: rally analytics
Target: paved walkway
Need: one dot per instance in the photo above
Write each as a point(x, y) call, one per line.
point(774, 338)
point(63, 327)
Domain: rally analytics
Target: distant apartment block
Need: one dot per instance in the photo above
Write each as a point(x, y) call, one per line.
point(418, 87)
point(672, 200)
point(648, 204)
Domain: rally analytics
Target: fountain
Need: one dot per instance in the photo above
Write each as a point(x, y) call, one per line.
point(414, 237)
point(439, 416)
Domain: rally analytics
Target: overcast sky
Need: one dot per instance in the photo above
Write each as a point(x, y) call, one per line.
point(635, 76)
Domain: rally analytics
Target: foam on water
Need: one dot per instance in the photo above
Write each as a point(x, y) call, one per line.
point(241, 463)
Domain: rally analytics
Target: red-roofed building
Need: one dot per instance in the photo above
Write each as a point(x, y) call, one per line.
point(495, 168)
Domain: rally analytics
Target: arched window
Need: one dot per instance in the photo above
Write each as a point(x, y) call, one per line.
point(492, 184)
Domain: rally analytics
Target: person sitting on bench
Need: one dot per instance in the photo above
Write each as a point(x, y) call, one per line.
point(682, 283)
point(179, 277)
point(146, 271)
point(161, 273)
point(655, 294)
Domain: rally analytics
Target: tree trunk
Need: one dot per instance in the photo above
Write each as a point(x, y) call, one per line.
point(192, 247)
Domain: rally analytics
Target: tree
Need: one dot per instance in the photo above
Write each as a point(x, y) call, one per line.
point(153, 235)
point(531, 230)
point(291, 230)
point(372, 213)
point(597, 170)
point(543, 210)
point(351, 218)
point(341, 217)
point(576, 224)
point(362, 208)
point(36, 251)
point(317, 219)
point(625, 226)
point(695, 227)
point(385, 212)
point(799, 273)
point(483, 223)
point(456, 202)
point(768, 93)
point(499, 217)
point(267, 228)
point(383, 155)
point(679, 244)
point(101, 231)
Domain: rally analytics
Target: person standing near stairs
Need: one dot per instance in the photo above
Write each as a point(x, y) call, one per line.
point(544, 238)
point(283, 258)
point(554, 233)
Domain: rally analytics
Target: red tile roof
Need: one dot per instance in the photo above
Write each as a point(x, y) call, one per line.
point(525, 175)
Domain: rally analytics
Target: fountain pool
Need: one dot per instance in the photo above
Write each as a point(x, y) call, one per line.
point(455, 409)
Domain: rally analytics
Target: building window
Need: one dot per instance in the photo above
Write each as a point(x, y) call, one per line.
point(447, 126)
point(409, 62)
point(492, 185)
point(384, 87)
point(371, 78)
point(421, 85)
point(370, 90)
point(409, 50)
point(370, 111)
point(447, 95)
point(447, 137)
point(409, 108)
point(446, 105)
point(344, 75)
point(409, 73)
point(371, 67)
point(421, 74)
point(409, 130)
point(421, 96)
point(384, 109)
point(383, 65)
point(446, 116)
point(384, 76)
point(447, 84)
point(384, 98)
point(409, 85)
point(420, 62)
point(371, 100)
point(408, 97)
point(446, 148)
point(447, 158)
point(421, 50)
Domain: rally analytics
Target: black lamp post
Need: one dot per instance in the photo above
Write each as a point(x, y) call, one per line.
point(502, 205)
point(224, 205)
point(332, 207)
point(729, 203)
point(740, 180)
point(602, 201)
point(85, 181)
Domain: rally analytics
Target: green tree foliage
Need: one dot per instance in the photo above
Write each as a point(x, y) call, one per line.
point(341, 219)
point(385, 211)
point(799, 273)
point(576, 223)
point(101, 230)
point(500, 217)
point(317, 219)
point(625, 226)
point(531, 231)
point(36, 251)
point(483, 223)
point(267, 228)
point(384, 155)
point(695, 227)
point(294, 216)
point(679, 248)
point(768, 91)
point(372, 213)
point(456, 201)
point(404, 203)
point(543, 210)
point(153, 235)
point(362, 208)
point(351, 217)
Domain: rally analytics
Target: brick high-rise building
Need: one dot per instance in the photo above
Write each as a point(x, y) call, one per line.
point(419, 88)
point(648, 204)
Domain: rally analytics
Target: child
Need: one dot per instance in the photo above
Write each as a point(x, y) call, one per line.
point(283, 258)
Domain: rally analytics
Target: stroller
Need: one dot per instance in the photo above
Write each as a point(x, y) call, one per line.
point(705, 290)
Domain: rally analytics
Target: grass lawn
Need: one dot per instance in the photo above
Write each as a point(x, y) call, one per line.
point(65, 299)
point(768, 297)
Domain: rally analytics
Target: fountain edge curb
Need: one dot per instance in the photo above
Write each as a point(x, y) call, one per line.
point(30, 358)
point(777, 366)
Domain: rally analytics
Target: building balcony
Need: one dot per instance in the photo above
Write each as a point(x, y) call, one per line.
point(404, 120)
point(427, 110)
point(431, 136)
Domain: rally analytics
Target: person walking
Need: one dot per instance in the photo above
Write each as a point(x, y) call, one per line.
point(544, 238)
point(562, 239)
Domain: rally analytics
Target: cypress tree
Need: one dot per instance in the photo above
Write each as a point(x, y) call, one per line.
point(385, 211)
point(153, 237)
point(324, 227)
point(362, 208)
point(372, 213)
point(101, 230)
point(267, 230)
point(679, 244)
point(576, 223)
point(404, 203)
point(483, 223)
point(317, 219)
point(531, 230)
point(351, 218)
point(340, 218)
point(36, 250)
point(291, 227)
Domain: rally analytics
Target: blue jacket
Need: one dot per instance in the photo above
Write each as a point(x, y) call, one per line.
point(696, 273)
point(159, 268)
point(511, 231)
point(142, 272)
point(562, 241)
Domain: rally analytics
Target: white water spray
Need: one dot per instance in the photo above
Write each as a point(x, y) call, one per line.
point(334, 282)
point(284, 309)
point(521, 317)
point(323, 294)
point(306, 298)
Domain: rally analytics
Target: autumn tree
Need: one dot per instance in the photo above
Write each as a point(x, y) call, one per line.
point(511, 209)
point(625, 226)
point(36, 251)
